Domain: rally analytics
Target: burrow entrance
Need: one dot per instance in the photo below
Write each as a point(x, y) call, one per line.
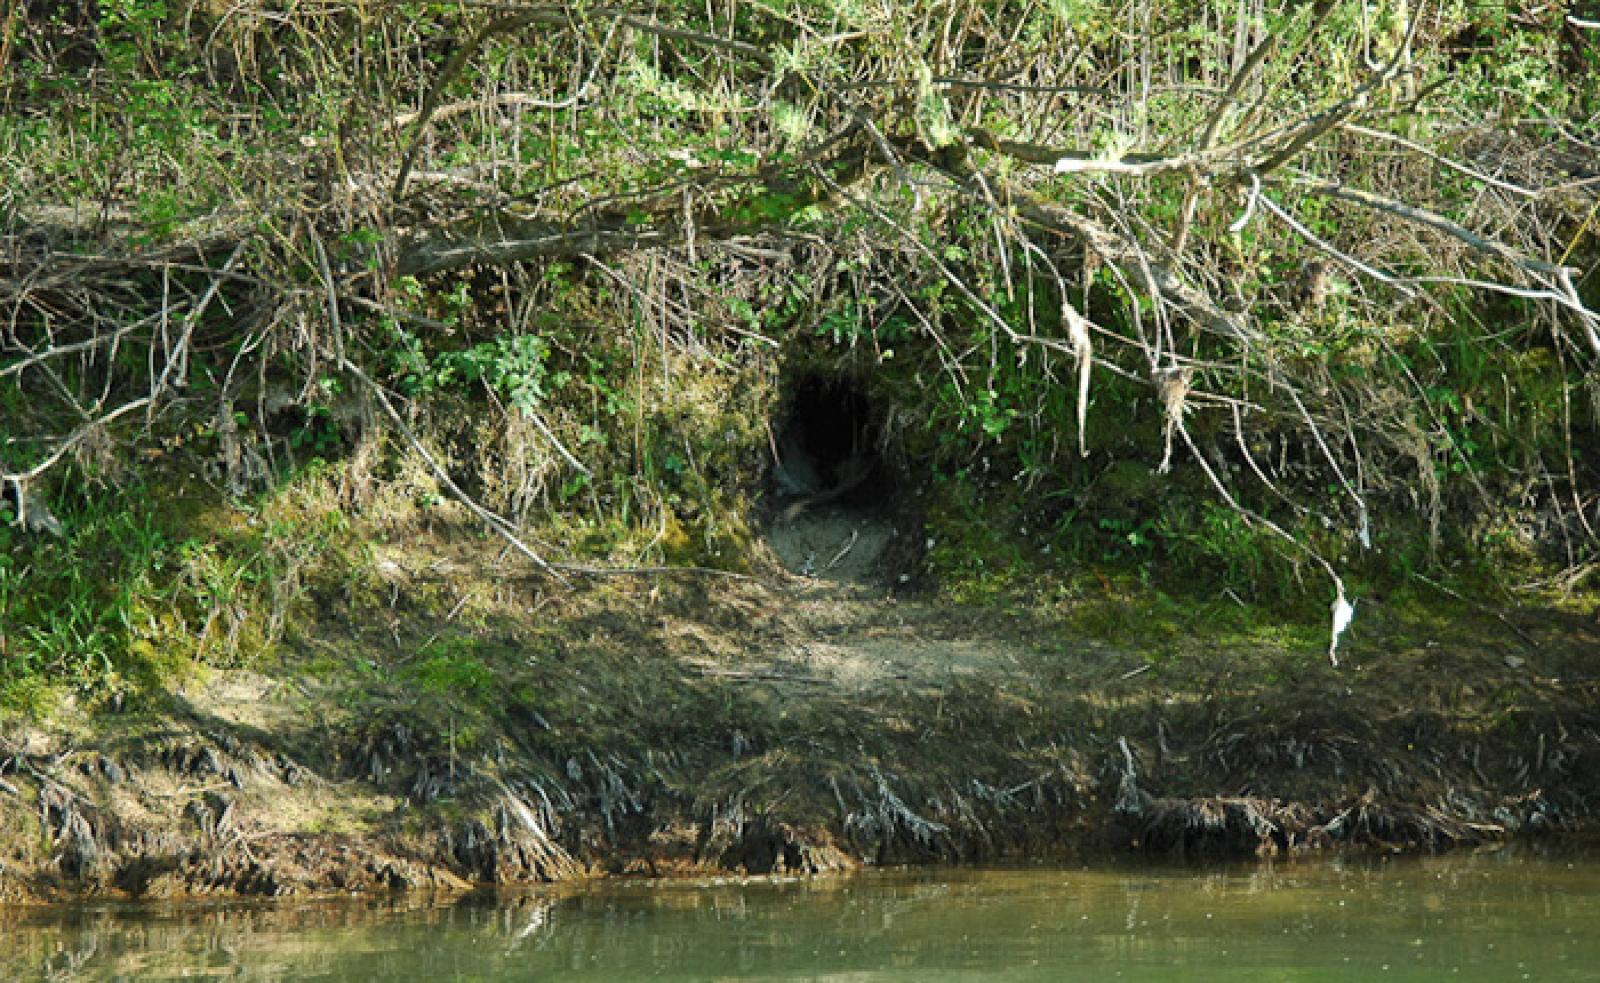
point(829, 491)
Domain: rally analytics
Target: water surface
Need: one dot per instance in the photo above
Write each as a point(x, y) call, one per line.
point(1498, 916)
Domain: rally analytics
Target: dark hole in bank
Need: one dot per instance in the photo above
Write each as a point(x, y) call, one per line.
point(826, 446)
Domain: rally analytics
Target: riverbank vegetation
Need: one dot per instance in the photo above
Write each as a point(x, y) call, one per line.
point(370, 347)
point(1323, 269)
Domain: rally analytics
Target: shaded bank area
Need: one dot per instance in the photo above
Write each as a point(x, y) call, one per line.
point(446, 726)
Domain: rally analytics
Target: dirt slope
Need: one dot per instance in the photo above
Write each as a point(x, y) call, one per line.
point(813, 717)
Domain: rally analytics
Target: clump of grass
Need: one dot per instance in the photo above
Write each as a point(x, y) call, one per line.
point(151, 582)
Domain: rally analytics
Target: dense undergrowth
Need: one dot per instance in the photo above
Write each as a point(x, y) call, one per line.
point(1299, 313)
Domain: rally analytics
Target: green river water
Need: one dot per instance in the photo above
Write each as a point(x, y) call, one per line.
point(1507, 915)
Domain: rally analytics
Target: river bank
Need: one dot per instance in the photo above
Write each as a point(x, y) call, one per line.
point(521, 443)
point(451, 725)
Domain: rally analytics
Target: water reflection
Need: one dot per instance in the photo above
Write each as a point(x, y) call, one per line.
point(1487, 917)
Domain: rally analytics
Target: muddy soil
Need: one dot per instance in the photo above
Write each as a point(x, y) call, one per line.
point(836, 544)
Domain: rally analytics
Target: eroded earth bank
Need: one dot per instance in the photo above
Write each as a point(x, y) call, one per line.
point(821, 713)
